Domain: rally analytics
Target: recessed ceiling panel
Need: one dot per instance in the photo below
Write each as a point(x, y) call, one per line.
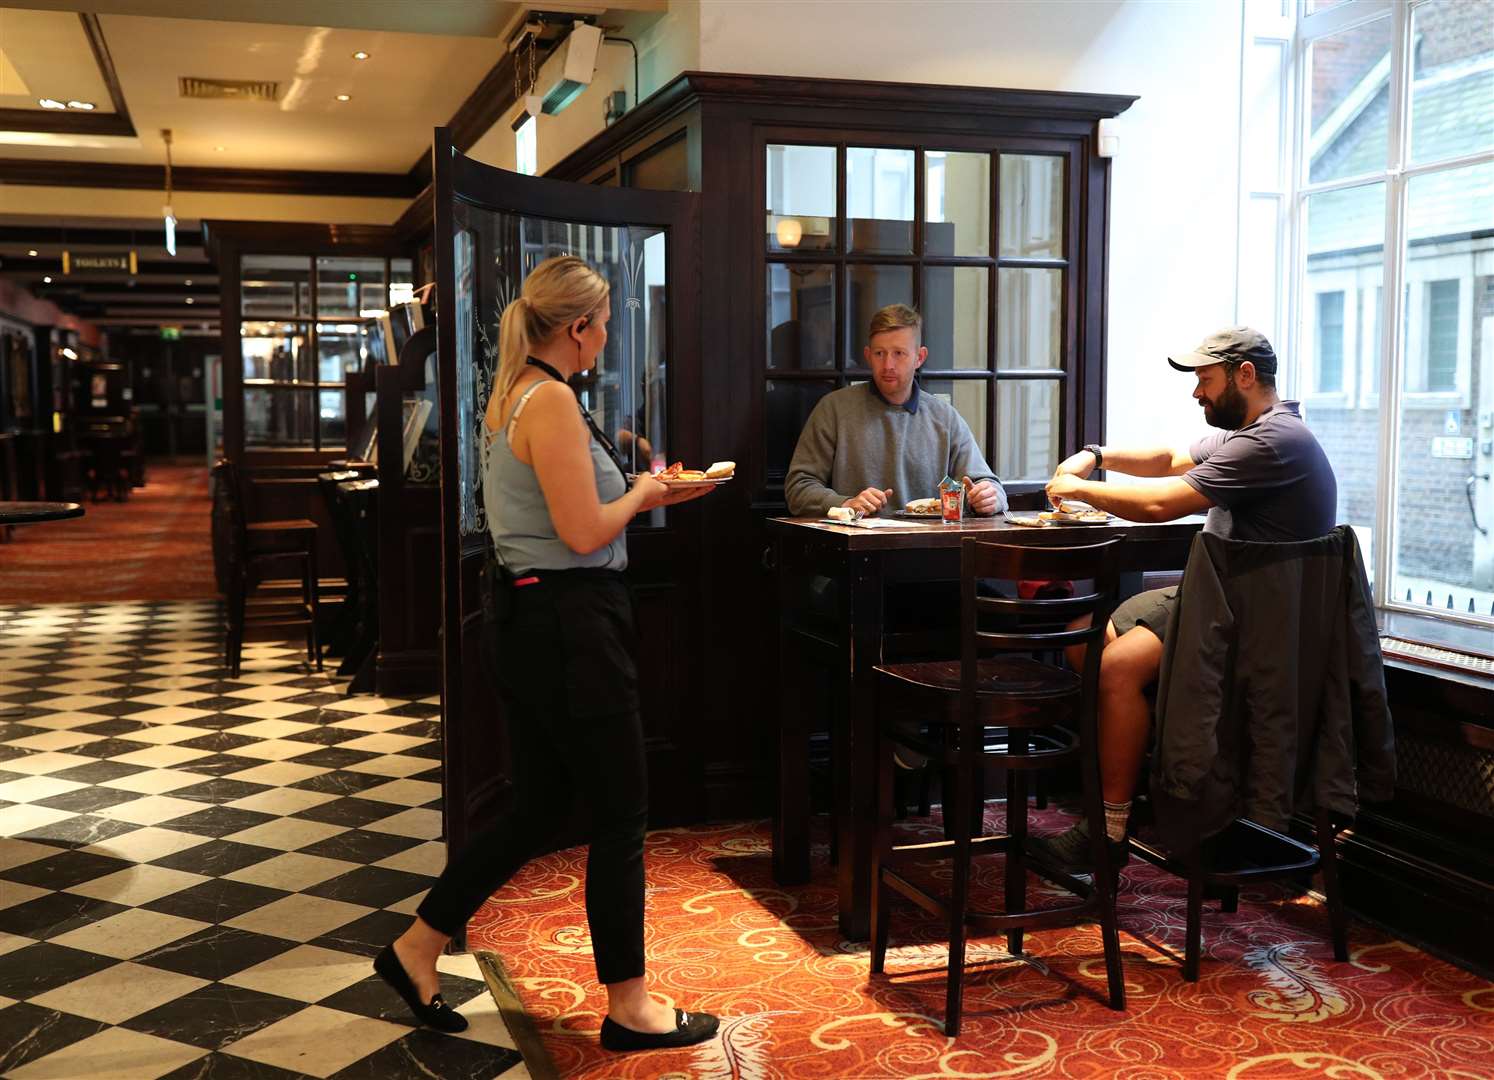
point(46, 54)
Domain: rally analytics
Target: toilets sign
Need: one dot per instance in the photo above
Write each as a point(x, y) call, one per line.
point(99, 262)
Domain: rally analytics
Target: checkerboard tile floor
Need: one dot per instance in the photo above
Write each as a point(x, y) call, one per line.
point(196, 871)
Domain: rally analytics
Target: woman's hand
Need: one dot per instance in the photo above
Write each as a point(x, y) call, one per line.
point(651, 492)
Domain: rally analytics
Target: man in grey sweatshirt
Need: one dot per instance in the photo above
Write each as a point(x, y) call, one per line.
point(879, 446)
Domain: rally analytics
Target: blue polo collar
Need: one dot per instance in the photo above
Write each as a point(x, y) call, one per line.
point(911, 404)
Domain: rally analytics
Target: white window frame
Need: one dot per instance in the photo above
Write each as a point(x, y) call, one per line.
point(1398, 268)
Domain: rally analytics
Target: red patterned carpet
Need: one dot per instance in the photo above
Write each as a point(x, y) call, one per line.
point(155, 546)
point(797, 1001)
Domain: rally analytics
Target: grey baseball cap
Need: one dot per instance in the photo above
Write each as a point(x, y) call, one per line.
point(1232, 345)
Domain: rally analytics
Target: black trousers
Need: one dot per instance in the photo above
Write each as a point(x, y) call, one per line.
point(562, 653)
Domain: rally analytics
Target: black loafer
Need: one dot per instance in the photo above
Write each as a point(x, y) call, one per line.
point(437, 1014)
point(690, 1028)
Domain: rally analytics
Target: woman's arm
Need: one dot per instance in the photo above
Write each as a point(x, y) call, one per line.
point(553, 438)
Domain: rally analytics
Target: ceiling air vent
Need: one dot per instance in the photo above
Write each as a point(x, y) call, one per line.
point(228, 89)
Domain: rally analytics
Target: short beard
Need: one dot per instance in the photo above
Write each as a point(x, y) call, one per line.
point(1229, 411)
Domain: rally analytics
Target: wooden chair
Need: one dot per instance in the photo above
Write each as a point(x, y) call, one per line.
point(251, 549)
point(998, 706)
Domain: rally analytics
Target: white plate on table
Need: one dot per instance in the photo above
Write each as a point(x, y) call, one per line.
point(910, 515)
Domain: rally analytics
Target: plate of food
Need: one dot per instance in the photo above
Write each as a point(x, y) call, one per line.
point(677, 477)
point(1069, 512)
point(920, 509)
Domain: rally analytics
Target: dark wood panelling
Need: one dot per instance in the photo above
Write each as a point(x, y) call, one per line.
point(201, 178)
point(101, 56)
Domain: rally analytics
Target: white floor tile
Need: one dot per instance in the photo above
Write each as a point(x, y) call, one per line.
point(151, 810)
point(420, 824)
point(428, 858)
point(299, 917)
point(317, 1041)
point(147, 845)
point(286, 834)
point(306, 973)
point(281, 773)
point(283, 801)
point(294, 871)
point(138, 885)
point(24, 817)
point(33, 788)
point(160, 757)
point(116, 1053)
point(129, 934)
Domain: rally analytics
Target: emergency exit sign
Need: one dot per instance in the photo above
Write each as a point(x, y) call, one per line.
point(1447, 447)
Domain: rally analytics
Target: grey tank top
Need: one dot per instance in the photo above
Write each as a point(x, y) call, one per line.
point(518, 517)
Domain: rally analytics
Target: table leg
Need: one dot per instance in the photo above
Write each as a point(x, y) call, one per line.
point(854, 745)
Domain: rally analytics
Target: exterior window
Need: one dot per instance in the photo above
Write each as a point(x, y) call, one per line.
point(1330, 342)
point(1396, 143)
point(1442, 337)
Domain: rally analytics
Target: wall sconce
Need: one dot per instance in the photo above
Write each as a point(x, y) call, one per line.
point(789, 231)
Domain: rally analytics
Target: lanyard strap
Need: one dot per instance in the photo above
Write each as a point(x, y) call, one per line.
point(596, 432)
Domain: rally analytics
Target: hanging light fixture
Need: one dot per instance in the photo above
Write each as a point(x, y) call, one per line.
point(166, 210)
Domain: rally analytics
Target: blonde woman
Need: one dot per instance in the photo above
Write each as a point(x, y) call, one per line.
point(558, 504)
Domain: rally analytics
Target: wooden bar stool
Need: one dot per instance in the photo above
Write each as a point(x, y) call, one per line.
point(999, 706)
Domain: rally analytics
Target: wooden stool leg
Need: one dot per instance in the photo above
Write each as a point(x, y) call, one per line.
point(1194, 941)
point(1328, 860)
point(956, 815)
point(313, 589)
point(1016, 868)
point(1229, 899)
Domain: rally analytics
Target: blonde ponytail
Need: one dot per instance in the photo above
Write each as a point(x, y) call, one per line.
point(556, 293)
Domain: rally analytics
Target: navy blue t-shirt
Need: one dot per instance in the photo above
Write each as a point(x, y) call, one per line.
point(1269, 480)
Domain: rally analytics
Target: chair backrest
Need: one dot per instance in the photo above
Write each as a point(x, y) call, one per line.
point(1097, 564)
point(230, 532)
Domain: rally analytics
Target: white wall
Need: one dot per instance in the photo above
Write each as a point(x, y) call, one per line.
point(1173, 205)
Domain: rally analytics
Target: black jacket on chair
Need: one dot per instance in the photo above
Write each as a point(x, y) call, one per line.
point(1271, 697)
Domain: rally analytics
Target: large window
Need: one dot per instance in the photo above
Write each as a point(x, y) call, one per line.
point(1387, 200)
point(976, 239)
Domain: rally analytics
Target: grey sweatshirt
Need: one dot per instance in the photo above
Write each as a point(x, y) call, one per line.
point(855, 440)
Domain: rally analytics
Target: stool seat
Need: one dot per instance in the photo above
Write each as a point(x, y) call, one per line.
point(288, 525)
point(997, 676)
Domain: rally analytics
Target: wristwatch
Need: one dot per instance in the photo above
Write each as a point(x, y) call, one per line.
point(1099, 456)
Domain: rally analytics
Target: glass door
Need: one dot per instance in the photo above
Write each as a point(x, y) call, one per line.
point(492, 228)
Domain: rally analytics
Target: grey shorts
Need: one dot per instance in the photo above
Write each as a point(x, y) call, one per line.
point(1150, 609)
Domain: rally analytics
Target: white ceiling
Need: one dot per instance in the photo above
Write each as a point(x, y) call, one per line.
point(46, 54)
point(410, 83)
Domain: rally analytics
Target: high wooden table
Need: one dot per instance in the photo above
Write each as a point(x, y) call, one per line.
point(832, 586)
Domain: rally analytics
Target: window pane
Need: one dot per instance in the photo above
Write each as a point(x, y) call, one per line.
point(1261, 117)
point(1259, 251)
point(1027, 427)
point(341, 347)
point(969, 397)
point(276, 351)
point(801, 316)
point(275, 285)
point(279, 416)
point(801, 198)
point(1330, 343)
point(1452, 80)
point(879, 200)
point(1031, 206)
point(333, 419)
point(871, 288)
point(957, 203)
point(1348, 103)
point(787, 406)
point(1028, 313)
point(346, 287)
point(401, 281)
point(1345, 256)
point(955, 311)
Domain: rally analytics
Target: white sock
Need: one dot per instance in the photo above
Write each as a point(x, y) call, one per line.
point(1115, 819)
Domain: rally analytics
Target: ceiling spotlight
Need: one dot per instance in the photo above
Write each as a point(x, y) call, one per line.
point(219, 149)
point(31, 252)
point(86, 106)
point(360, 55)
point(189, 300)
point(187, 282)
point(50, 103)
point(344, 97)
point(47, 280)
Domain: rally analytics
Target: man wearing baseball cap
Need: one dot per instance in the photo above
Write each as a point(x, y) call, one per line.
point(1262, 478)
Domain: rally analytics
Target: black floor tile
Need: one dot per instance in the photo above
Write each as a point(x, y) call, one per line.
point(216, 858)
point(53, 914)
point(219, 790)
point(100, 772)
point(78, 831)
point(220, 742)
point(374, 998)
point(28, 1032)
point(429, 1053)
point(214, 1015)
point(377, 886)
point(228, 1067)
point(65, 869)
point(35, 969)
point(357, 845)
point(216, 901)
point(426, 750)
point(326, 735)
point(349, 811)
point(8, 753)
point(217, 764)
point(219, 821)
point(88, 799)
point(368, 935)
point(421, 729)
point(113, 727)
point(220, 721)
point(214, 953)
point(109, 748)
point(334, 757)
point(340, 782)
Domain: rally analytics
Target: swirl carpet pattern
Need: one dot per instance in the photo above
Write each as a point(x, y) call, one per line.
point(797, 1001)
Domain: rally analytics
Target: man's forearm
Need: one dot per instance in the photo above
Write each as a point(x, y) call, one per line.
point(1134, 502)
point(807, 496)
point(1159, 461)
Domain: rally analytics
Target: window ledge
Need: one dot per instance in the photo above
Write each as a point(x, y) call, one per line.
point(1440, 399)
